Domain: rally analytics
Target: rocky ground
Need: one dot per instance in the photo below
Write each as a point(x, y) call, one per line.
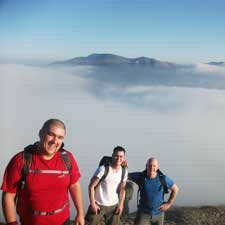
point(205, 215)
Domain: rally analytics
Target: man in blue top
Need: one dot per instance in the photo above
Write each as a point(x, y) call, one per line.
point(151, 206)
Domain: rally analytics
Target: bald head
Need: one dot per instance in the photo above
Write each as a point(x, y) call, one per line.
point(49, 123)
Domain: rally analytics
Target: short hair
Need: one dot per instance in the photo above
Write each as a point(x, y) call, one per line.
point(119, 149)
point(51, 122)
point(152, 159)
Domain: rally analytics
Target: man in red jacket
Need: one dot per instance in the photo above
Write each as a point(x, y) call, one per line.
point(43, 200)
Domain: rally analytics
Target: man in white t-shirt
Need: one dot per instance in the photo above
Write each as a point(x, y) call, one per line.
point(107, 195)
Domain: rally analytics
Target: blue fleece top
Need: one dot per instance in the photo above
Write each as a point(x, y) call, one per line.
point(151, 192)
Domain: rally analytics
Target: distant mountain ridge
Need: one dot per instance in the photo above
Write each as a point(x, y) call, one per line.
point(216, 63)
point(142, 71)
point(111, 60)
point(108, 59)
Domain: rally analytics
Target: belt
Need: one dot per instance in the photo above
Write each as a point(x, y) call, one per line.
point(40, 213)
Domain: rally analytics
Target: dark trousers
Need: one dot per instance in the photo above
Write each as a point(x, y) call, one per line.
point(143, 218)
point(107, 213)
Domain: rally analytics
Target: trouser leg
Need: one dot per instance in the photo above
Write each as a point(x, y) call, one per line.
point(111, 218)
point(158, 220)
point(142, 218)
point(92, 218)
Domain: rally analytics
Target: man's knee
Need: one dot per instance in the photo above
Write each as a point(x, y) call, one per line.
point(158, 220)
point(92, 218)
point(142, 218)
point(115, 220)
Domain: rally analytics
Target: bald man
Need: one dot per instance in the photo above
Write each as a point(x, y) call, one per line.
point(41, 193)
point(151, 207)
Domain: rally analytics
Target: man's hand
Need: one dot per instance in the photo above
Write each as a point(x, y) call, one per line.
point(119, 210)
point(164, 207)
point(125, 163)
point(79, 220)
point(95, 208)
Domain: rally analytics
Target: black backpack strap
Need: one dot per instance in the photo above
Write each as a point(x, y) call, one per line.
point(105, 161)
point(103, 176)
point(163, 183)
point(105, 173)
point(123, 173)
point(66, 159)
point(27, 160)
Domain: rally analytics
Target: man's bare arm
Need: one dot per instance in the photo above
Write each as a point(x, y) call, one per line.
point(76, 195)
point(9, 206)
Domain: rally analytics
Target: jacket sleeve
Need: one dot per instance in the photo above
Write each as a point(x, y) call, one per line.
point(12, 175)
point(135, 177)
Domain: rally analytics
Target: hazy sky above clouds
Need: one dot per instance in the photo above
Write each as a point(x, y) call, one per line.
point(183, 127)
point(180, 31)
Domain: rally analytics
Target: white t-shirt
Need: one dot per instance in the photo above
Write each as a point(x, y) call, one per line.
point(106, 192)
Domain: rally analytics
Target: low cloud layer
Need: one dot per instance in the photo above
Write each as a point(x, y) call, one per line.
point(112, 81)
point(184, 127)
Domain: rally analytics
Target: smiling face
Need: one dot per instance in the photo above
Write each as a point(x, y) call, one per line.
point(117, 158)
point(152, 167)
point(51, 139)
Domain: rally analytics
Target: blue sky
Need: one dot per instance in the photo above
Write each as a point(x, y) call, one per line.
point(175, 30)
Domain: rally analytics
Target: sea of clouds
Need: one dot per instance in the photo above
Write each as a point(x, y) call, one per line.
point(184, 127)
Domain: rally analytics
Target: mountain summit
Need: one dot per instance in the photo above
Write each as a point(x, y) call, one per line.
point(111, 60)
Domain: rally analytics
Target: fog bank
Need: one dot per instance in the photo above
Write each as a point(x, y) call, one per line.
point(183, 127)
